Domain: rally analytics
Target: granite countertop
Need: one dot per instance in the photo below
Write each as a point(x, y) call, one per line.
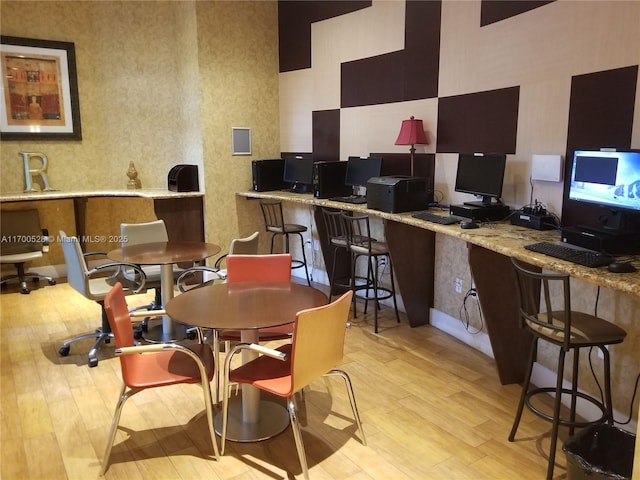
point(62, 194)
point(500, 237)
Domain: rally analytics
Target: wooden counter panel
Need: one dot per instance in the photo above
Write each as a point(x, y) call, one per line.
point(412, 255)
point(496, 287)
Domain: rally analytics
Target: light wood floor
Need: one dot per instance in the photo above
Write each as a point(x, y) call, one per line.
point(432, 408)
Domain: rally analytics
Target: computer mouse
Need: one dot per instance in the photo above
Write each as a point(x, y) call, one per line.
point(621, 267)
point(469, 224)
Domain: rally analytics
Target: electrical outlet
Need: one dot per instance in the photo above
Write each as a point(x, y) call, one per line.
point(458, 285)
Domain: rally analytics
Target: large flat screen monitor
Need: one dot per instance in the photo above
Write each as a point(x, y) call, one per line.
point(481, 175)
point(361, 169)
point(298, 172)
point(610, 180)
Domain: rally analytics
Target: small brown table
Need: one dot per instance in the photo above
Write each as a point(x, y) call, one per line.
point(165, 254)
point(247, 306)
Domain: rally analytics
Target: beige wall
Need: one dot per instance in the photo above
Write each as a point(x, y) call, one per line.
point(160, 83)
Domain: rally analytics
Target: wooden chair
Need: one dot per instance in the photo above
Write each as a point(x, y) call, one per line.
point(316, 351)
point(154, 365)
point(553, 321)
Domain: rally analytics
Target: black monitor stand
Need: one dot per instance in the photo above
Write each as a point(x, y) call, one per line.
point(486, 202)
point(300, 188)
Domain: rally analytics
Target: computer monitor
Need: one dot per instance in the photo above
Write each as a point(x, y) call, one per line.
point(361, 169)
point(481, 175)
point(298, 172)
point(610, 180)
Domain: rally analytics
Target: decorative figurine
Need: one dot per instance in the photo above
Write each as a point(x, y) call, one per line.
point(134, 181)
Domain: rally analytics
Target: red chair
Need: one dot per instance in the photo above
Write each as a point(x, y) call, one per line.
point(259, 268)
point(154, 365)
point(316, 350)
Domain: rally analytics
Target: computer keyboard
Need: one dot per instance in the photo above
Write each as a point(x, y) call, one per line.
point(587, 258)
point(356, 199)
point(435, 218)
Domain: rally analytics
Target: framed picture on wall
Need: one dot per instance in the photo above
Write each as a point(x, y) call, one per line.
point(39, 89)
point(241, 140)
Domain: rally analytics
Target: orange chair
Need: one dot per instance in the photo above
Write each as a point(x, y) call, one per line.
point(154, 365)
point(259, 268)
point(316, 350)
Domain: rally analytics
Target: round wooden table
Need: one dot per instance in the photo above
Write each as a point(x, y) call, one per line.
point(165, 254)
point(247, 306)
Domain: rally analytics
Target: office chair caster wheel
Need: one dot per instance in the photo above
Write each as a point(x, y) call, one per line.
point(52, 282)
point(25, 291)
point(93, 362)
point(191, 335)
point(137, 334)
point(64, 351)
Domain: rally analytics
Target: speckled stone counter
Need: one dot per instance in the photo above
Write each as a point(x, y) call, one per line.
point(182, 212)
point(500, 237)
point(60, 194)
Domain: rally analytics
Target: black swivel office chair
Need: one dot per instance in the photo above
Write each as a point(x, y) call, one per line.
point(23, 240)
point(94, 287)
point(555, 322)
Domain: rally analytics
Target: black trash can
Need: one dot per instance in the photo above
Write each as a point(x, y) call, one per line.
point(600, 452)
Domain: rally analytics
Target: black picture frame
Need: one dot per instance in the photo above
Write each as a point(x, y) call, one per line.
point(40, 90)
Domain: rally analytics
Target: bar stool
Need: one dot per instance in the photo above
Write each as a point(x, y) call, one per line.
point(337, 239)
point(361, 244)
point(274, 223)
point(569, 330)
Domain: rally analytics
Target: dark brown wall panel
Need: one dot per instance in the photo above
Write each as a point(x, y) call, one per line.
point(408, 74)
point(372, 80)
point(479, 122)
point(600, 115)
point(326, 135)
point(294, 27)
point(492, 11)
point(422, 49)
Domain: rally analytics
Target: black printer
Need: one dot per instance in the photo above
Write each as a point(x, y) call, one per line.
point(398, 193)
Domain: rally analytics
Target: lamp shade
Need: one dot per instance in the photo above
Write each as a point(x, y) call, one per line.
point(412, 133)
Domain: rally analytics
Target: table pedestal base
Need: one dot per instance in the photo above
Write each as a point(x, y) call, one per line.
point(155, 333)
point(274, 419)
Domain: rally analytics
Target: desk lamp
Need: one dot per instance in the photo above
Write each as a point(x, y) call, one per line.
point(412, 133)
